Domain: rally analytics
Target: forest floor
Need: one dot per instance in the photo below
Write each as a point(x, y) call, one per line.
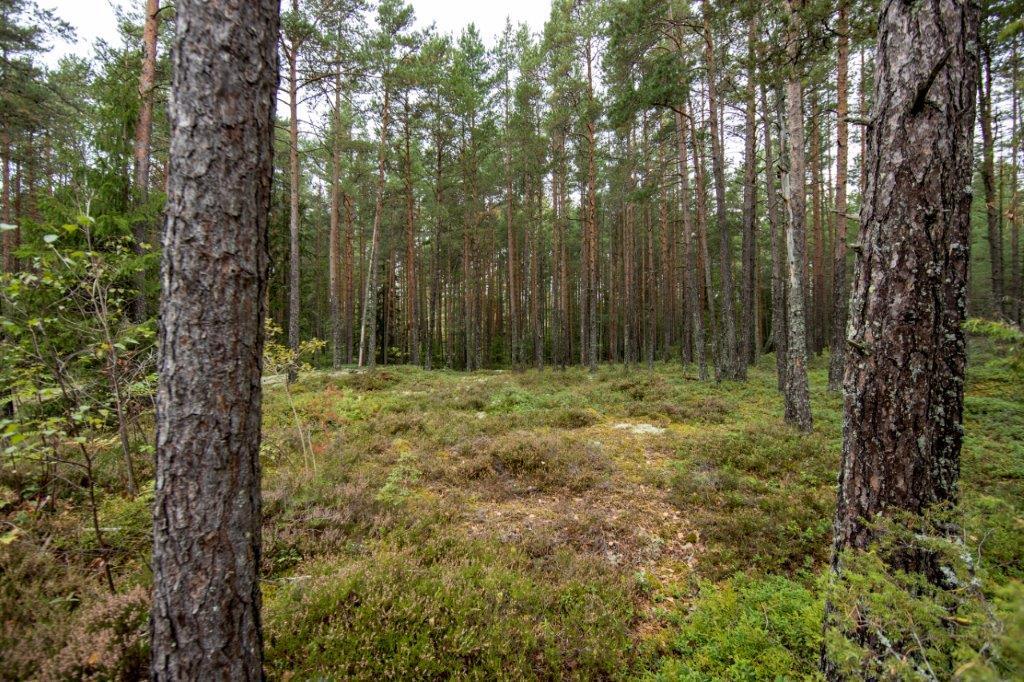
point(538, 524)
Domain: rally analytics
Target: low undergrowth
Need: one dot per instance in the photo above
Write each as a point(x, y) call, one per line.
point(534, 525)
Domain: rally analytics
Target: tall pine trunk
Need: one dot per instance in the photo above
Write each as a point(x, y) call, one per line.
point(412, 328)
point(690, 274)
point(143, 132)
point(334, 241)
point(904, 383)
point(988, 176)
point(294, 293)
point(205, 621)
point(780, 328)
point(748, 289)
point(368, 328)
point(797, 393)
point(728, 366)
point(591, 217)
point(817, 303)
point(1016, 293)
point(840, 294)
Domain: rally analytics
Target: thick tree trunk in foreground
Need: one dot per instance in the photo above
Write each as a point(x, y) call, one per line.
point(840, 296)
point(206, 514)
point(904, 382)
point(796, 391)
point(904, 378)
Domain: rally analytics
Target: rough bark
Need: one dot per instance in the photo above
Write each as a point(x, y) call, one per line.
point(797, 393)
point(904, 378)
point(840, 294)
point(206, 513)
point(904, 381)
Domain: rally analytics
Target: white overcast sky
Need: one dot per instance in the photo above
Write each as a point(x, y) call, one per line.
point(95, 18)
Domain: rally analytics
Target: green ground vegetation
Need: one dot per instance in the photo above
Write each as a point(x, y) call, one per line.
point(627, 524)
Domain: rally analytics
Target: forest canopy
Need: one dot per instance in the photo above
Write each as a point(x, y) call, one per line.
point(430, 354)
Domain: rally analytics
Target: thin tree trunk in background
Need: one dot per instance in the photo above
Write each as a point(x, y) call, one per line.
point(205, 621)
point(513, 288)
point(840, 295)
point(143, 132)
point(903, 408)
point(666, 279)
point(1016, 293)
point(147, 83)
point(536, 302)
point(727, 362)
point(703, 255)
point(348, 268)
point(748, 290)
point(648, 288)
point(294, 293)
point(8, 236)
point(591, 220)
point(797, 392)
point(334, 245)
point(777, 246)
point(988, 175)
point(412, 329)
point(368, 328)
point(629, 355)
point(689, 261)
point(557, 237)
point(817, 326)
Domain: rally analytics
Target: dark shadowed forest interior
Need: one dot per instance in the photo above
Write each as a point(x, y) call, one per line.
point(639, 339)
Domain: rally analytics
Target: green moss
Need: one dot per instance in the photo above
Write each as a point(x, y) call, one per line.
point(747, 629)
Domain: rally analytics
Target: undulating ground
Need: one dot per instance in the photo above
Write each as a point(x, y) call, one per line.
point(540, 524)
